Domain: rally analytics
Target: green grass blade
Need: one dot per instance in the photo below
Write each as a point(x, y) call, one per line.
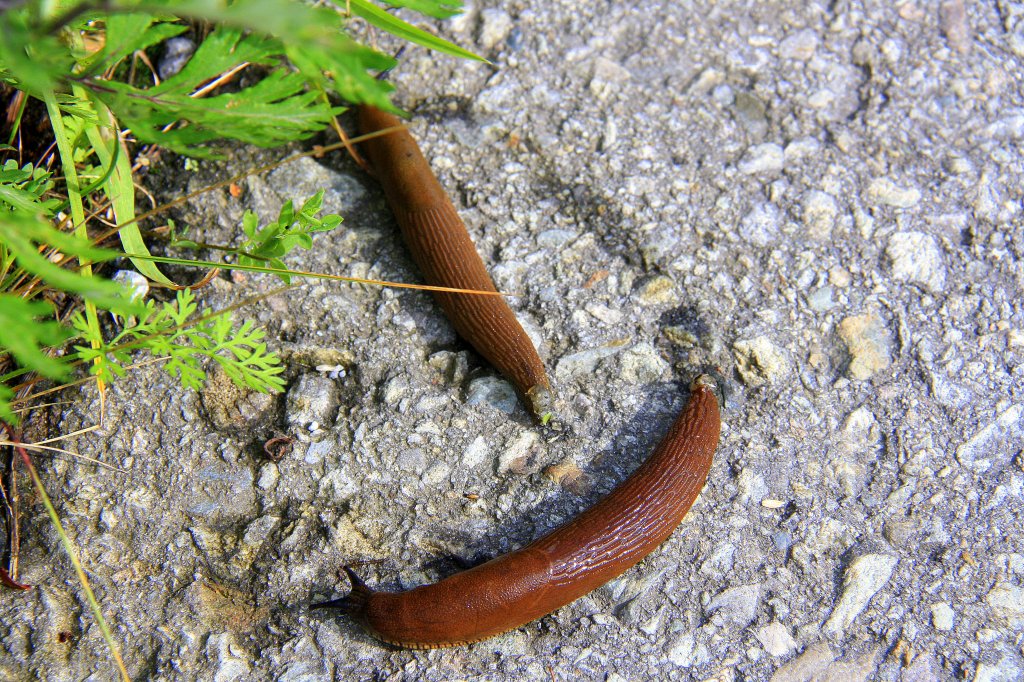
point(72, 553)
point(120, 189)
point(395, 26)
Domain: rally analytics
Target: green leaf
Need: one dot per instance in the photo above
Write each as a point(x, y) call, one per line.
point(25, 336)
point(395, 26)
point(441, 9)
point(120, 189)
point(127, 33)
point(22, 235)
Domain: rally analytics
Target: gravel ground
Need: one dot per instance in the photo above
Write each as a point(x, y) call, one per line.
point(820, 202)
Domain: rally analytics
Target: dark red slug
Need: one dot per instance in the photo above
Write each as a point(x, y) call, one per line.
point(440, 245)
point(598, 545)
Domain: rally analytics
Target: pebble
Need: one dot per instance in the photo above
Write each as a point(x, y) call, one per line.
point(642, 364)
point(776, 640)
point(516, 456)
point(136, 284)
point(922, 669)
point(269, 476)
point(884, 192)
point(584, 362)
point(568, 475)
point(177, 52)
point(820, 212)
point(759, 362)
point(737, 605)
point(311, 399)
point(230, 658)
point(953, 20)
point(868, 343)
point(800, 45)
point(762, 158)
point(604, 313)
point(475, 453)
point(608, 78)
point(863, 579)
point(760, 226)
point(686, 652)
point(413, 459)
point(720, 562)
point(660, 289)
point(495, 25)
point(915, 257)
point(1006, 669)
point(942, 616)
point(1007, 603)
point(815, 660)
point(493, 391)
point(751, 486)
point(979, 451)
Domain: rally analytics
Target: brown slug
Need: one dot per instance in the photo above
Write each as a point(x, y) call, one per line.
point(440, 245)
point(567, 563)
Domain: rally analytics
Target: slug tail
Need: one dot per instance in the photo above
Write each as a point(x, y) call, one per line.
point(353, 603)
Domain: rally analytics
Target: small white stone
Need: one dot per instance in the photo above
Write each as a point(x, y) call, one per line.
point(885, 192)
point(515, 457)
point(775, 639)
point(942, 616)
point(759, 361)
point(737, 605)
point(1007, 603)
point(863, 579)
point(642, 364)
point(495, 25)
point(800, 45)
point(917, 258)
point(475, 453)
point(820, 212)
point(762, 158)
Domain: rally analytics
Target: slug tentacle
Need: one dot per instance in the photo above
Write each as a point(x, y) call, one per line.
point(352, 604)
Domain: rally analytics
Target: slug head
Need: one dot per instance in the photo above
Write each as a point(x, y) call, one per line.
point(352, 604)
point(541, 402)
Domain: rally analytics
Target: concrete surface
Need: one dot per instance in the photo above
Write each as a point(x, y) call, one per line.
point(822, 202)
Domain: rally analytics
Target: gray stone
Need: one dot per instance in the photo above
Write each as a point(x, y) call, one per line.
point(759, 361)
point(642, 364)
point(585, 362)
point(916, 258)
point(865, 576)
point(800, 45)
point(686, 652)
point(885, 192)
point(942, 616)
point(492, 391)
point(820, 212)
point(776, 640)
point(868, 343)
point(736, 605)
point(1007, 603)
point(495, 25)
point(311, 399)
point(763, 158)
point(807, 666)
point(994, 439)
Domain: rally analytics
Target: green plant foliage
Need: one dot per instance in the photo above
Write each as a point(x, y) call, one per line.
point(268, 245)
point(173, 330)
